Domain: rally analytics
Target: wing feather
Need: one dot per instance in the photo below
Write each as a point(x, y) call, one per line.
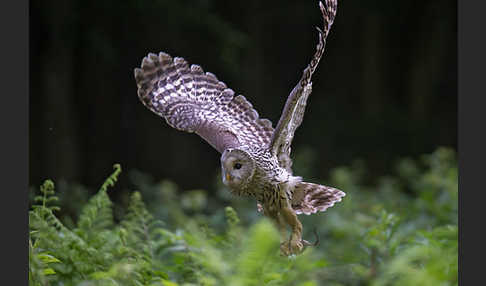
point(310, 198)
point(194, 101)
point(294, 108)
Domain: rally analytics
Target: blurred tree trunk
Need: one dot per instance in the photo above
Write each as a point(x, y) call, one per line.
point(255, 66)
point(374, 70)
point(59, 144)
point(428, 59)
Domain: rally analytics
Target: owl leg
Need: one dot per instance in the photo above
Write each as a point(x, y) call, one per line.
point(295, 244)
point(279, 222)
point(282, 228)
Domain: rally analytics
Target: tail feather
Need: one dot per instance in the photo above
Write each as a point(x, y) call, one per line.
point(309, 198)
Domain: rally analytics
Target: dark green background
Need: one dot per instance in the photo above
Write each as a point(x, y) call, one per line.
point(386, 87)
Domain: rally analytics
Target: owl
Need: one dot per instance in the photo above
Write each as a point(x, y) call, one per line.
point(255, 158)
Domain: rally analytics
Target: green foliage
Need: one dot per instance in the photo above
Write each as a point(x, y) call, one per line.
point(399, 231)
point(430, 260)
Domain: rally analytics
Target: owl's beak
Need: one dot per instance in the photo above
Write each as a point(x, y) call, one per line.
point(228, 177)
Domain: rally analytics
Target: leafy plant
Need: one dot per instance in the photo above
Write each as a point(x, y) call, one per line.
point(400, 231)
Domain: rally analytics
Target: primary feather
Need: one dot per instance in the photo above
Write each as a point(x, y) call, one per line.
point(194, 101)
point(293, 112)
point(309, 198)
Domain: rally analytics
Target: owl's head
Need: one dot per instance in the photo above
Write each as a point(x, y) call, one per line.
point(237, 168)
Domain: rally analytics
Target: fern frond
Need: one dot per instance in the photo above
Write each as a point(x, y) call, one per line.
point(97, 214)
point(137, 223)
point(111, 180)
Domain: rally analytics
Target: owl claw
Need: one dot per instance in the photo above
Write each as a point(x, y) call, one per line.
point(290, 247)
point(316, 243)
point(297, 246)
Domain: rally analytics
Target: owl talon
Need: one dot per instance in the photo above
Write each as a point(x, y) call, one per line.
point(296, 246)
point(285, 248)
point(290, 247)
point(316, 243)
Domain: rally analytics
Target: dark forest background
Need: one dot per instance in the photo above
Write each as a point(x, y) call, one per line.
point(386, 87)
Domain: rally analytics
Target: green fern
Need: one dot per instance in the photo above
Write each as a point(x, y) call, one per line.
point(429, 260)
point(77, 251)
point(97, 215)
point(47, 197)
point(399, 231)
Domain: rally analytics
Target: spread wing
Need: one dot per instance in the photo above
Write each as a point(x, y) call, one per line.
point(293, 111)
point(194, 101)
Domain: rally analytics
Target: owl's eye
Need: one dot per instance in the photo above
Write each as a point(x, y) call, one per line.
point(237, 166)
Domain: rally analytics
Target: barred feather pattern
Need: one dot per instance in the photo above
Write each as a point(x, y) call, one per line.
point(294, 109)
point(309, 198)
point(192, 100)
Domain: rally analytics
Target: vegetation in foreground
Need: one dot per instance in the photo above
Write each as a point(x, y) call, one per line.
point(400, 231)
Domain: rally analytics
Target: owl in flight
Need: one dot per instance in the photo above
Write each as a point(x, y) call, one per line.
point(255, 158)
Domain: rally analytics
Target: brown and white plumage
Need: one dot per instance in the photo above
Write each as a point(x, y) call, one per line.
point(194, 101)
point(293, 112)
point(255, 157)
point(309, 198)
